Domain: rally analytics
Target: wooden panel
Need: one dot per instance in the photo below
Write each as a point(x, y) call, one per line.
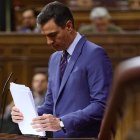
point(21, 137)
point(2, 73)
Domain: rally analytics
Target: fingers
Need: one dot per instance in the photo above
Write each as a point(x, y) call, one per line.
point(40, 123)
point(39, 118)
point(41, 127)
point(44, 116)
point(15, 109)
point(16, 115)
point(13, 113)
point(17, 119)
point(46, 122)
point(43, 119)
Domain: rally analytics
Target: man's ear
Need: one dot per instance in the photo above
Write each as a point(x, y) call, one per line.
point(69, 25)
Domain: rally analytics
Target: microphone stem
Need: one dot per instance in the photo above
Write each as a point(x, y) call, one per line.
point(3, 99)
point(3, 110)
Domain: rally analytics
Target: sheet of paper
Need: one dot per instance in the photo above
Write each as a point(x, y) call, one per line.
point(23, 99)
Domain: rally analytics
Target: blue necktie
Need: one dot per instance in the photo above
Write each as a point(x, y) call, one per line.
point(63, 64)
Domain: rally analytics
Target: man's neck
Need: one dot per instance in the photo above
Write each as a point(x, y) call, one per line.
point(72, 37)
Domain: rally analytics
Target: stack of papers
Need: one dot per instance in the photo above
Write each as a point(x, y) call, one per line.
point(23, 100)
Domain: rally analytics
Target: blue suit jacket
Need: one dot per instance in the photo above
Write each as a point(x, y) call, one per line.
point(80, 99)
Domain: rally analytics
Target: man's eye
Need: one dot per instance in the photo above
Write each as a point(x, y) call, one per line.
point(53, 35)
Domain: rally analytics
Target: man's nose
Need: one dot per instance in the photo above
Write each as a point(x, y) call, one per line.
point(49, 41)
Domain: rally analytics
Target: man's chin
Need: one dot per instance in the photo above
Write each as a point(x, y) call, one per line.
point(57, 48)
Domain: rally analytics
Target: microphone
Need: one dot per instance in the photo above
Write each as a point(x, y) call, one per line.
point(3, 99)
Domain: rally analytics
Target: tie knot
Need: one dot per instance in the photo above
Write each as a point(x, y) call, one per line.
point(65, 54)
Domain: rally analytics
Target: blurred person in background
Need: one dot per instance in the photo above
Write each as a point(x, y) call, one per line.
point(134, 4)
point(100, 22)
point(39, 89)
point(29, 22)
point(81, 3)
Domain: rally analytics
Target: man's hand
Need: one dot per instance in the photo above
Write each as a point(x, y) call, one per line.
point(16, 115)
point(46, 122)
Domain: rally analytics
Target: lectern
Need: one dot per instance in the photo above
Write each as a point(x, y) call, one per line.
point(21, 137)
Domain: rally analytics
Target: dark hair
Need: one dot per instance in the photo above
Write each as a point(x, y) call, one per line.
point(35, 13)
point(57, 11)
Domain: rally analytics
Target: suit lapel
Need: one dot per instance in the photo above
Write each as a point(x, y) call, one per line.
point(71, 64)
point(57, 81)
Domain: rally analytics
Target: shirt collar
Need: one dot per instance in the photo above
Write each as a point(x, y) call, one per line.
point(73, 44)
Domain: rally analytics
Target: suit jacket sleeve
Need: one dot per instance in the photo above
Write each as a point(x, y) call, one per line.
point(47, 107)
point(99, 75)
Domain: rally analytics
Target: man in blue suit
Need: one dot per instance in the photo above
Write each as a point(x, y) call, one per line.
point(80, 76)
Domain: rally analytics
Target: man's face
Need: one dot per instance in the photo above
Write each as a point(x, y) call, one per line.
point(29, 20)
point(39, 83)
point(56, 36)
point(101, 24)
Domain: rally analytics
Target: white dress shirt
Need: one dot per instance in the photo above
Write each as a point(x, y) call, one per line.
point(71, 48)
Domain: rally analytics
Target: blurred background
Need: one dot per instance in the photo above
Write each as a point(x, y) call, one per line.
point(125, 13)
point(112, 24)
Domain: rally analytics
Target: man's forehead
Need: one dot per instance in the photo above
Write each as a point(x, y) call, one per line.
point(49, 32)
point(39, 76)
point(50, 28)
point(29, 12)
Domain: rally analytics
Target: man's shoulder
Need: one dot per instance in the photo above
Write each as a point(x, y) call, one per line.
point(114, 28)
point(92, 51)
point(55, 55)
point(92, 47)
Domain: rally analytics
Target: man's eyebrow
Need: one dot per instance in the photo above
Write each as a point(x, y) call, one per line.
point(51, 33)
